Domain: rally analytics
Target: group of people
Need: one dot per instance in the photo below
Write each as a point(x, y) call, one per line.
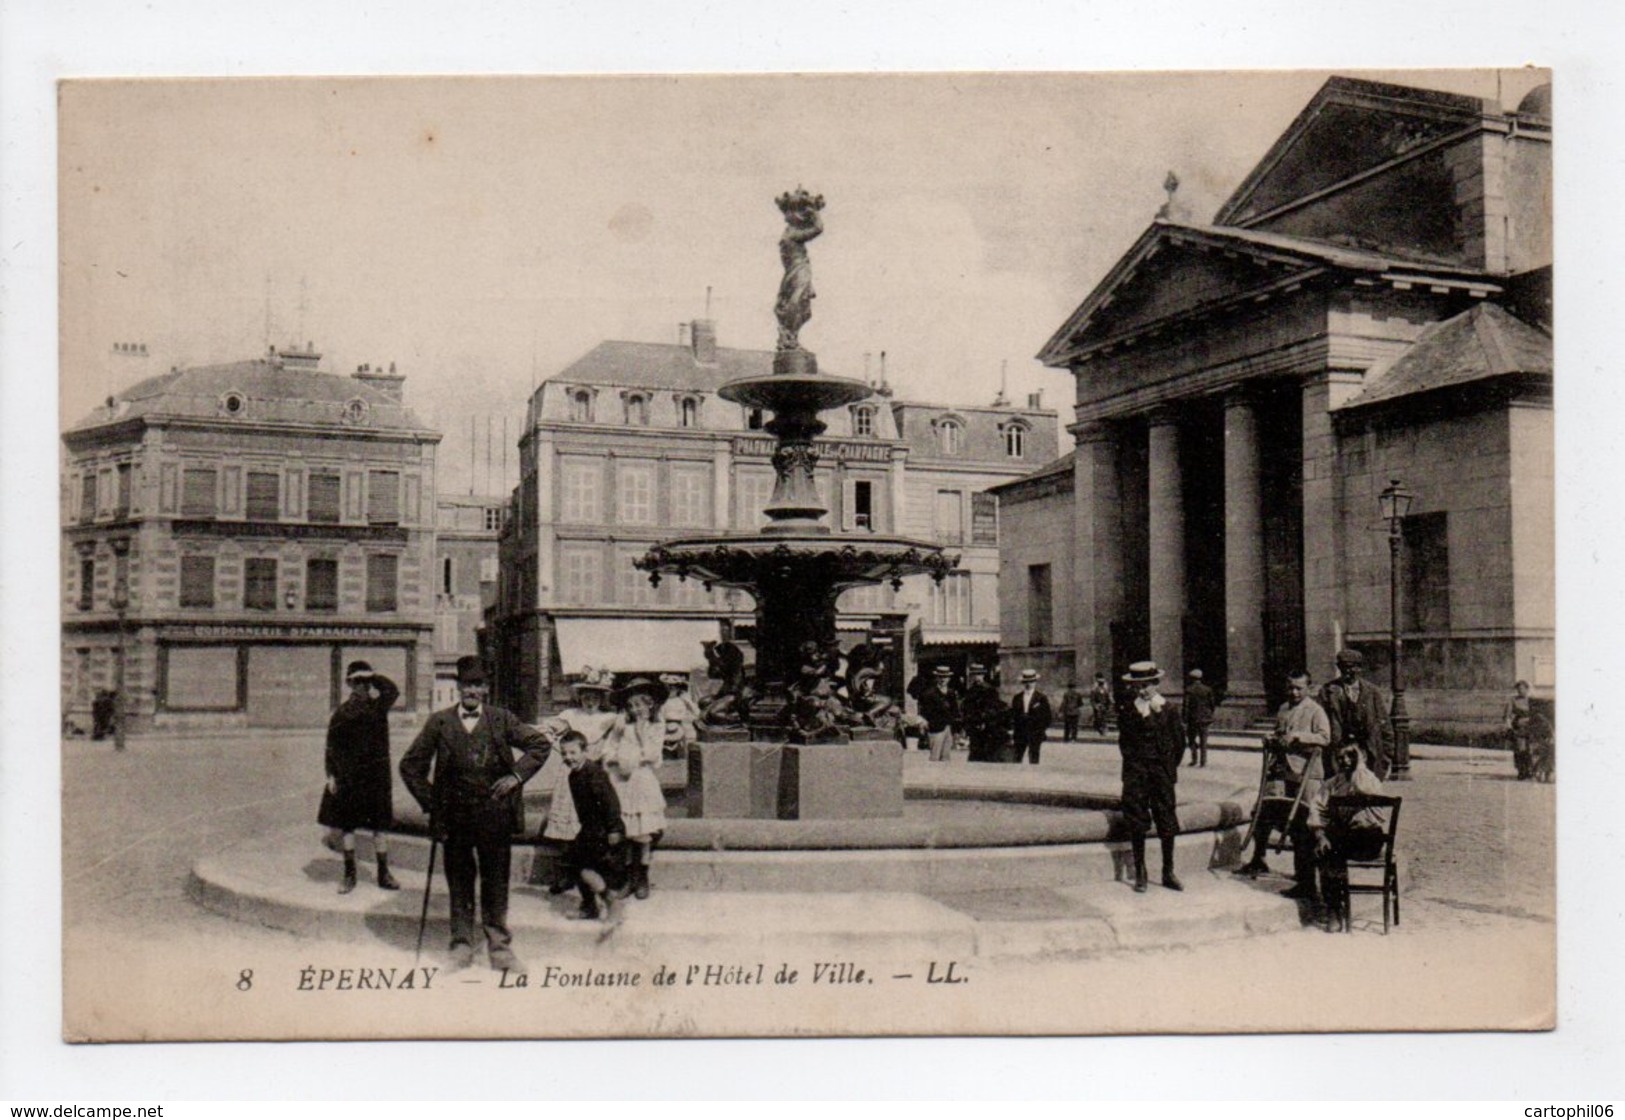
point(1347, 726)
point(1099, 700)
point(993, 729)
point(1530, 735)
point(467, 768)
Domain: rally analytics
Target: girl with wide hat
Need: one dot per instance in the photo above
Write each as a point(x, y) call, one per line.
point(632, 754)
point(592, 718)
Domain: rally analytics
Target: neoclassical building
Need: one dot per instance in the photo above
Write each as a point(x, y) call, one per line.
point(1372, 303)
point(234, 534)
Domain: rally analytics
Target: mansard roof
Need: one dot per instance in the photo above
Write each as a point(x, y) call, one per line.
point(1481, 343)
point(271, 393)
point(1246, 263)
point(658, 365)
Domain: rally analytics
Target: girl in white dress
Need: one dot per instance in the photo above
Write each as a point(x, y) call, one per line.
point(632, 755)
point(592, 719)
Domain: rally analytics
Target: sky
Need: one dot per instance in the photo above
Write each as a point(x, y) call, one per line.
point(483, 233)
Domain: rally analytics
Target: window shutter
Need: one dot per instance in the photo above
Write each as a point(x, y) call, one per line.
point(383, 497)
point(849, 505)
point(381, 582)
point(322, 585)
point(197, 581)
point(324, 497)
point(264, 496)
point(198, 492)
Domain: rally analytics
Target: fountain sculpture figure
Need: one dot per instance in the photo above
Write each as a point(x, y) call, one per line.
point(795, 566)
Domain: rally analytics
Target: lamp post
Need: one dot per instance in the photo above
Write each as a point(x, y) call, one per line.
point(1395, 502)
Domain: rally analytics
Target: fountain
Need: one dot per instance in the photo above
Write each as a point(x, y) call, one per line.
point(796, 568)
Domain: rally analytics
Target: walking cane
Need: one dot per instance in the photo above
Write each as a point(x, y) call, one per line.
point(428, 885)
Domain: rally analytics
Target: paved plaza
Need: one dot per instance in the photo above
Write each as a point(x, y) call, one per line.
point(1478, 847)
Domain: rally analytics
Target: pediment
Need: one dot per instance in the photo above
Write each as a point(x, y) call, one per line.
point(1350, 127)
point(1170, 272)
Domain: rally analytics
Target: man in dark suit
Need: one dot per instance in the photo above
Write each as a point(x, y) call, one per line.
point(986, 718)
point(1029, 719)
point(1151, 739)
point(1199, 705)
point(1358, 712)
point(481, 756)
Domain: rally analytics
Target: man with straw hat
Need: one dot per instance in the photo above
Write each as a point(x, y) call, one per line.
point(1151, 739)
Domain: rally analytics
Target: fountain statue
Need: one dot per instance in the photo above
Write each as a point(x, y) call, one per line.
point(795, 566)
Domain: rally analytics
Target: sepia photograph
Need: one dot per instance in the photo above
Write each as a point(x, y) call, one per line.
point(807, 555)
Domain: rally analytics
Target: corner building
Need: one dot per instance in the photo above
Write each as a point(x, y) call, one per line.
point(1373, 302)
point(234, 534)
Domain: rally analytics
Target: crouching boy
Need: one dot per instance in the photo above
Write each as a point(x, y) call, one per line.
point(594, 857)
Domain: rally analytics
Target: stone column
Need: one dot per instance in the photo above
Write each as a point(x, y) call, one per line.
point(1243, 550)
point(1167, 548)
point(1324, 613)
point(1097, 564)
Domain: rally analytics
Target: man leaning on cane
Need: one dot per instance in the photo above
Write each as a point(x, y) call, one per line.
point(466, 769)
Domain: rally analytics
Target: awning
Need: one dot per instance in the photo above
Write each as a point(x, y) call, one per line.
point(628, 645)
point(935, 634)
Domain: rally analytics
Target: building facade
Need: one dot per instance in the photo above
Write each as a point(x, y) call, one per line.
point(234, 534)
point(467, 531)
point(631, 445)
point(1372, 303)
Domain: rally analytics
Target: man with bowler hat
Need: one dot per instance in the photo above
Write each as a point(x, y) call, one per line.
point(480, 756)
point(1358, 712)
point(986, 719)
point(1151, 740)
point(1029, 719)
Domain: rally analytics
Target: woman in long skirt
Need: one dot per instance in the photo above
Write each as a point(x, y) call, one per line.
point(632, 755)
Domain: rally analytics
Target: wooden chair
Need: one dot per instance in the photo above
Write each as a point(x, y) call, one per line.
point(1340, 888)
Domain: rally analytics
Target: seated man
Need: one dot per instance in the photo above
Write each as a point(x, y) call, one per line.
point(1343, 835)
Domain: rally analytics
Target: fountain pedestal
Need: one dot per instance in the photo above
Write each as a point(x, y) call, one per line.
point(796, 782)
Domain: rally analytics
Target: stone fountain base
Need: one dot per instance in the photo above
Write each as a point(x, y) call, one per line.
point(793, 782)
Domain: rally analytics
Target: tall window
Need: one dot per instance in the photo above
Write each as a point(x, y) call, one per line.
point(863, 420)
point(755, 489)
point(447, 586)
point(950, 600)
point(197, 581)
point(493, 519)
point(382, 572)
point(87, 496)
point(581, 480)
point(259, 584)
point(198, 492)
point(264, 495)
point(1015, 441)
point(1426, 561)
point(863, 504)
point(948, 517)
point(383, 497)
point(321, 584)
point(87, 584)
point(581, 406)
point(691, 495)
point(122, 504)
point(984, 518)
point(632, 587)
point(322, 504)
point(635, 494)
point(688, 412)
point(637, 409)
point(950, 437)
point(1039, 606)
point(579, 567)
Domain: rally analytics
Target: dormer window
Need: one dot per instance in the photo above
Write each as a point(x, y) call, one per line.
point(688, 412)
point(950, 436)
point(637, 408)
point(581, 406)
point(1015, 440)
point(863, 420)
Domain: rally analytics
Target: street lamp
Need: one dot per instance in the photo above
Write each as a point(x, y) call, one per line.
point(1395, 503)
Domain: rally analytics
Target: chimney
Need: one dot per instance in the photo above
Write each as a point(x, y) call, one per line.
point(704, 333)
point(390, 384)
